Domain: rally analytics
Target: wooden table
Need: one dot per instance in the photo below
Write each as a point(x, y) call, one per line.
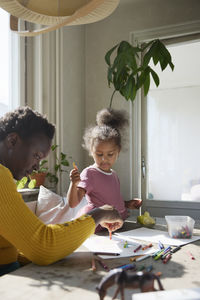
point(73, 279)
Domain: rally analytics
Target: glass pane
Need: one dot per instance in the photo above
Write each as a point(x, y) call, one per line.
point(9, 62)
point(173, 128)
point(4, 62)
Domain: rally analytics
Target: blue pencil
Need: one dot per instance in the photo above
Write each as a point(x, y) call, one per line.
point(160, 245)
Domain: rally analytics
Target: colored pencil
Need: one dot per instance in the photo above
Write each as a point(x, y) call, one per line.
point(167, 258)
point(138, 248)
point(106, 253)
point(190, 254)
point(142, 257)
point(147, 246)
point(103, 265)
point(75, 166)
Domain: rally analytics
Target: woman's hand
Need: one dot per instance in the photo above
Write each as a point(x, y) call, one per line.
point(107, 216)
point(133, 204)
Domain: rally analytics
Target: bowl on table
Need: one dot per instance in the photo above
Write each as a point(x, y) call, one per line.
point(180, 227)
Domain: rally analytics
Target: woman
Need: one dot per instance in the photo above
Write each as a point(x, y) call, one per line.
point(25, 139)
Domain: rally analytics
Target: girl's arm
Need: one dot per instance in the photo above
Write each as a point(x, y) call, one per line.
point(75, 194)
point(134, 203)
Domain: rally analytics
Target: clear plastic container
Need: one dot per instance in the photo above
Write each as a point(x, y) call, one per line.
point(180, 227)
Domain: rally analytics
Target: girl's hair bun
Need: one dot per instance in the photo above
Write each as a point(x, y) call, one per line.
point(117, 119)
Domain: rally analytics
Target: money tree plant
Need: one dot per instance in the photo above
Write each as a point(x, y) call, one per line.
point(129, 67)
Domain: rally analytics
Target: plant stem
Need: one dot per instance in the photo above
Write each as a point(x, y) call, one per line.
point(112, 99)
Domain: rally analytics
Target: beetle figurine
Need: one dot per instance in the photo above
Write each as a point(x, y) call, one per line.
point(137, 280)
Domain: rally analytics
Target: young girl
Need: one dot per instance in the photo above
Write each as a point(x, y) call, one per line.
point(99, 183)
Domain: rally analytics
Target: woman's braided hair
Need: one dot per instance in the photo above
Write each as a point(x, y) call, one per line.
point(26, 123)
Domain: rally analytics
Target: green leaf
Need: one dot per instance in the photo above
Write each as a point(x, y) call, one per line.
point(146, 84)
point(64, 162)
point(108, 54)
point(109, 75)
point(128, 88)
point(32, 184)
point(150, 54)
point(171, 66)
point(43, 162)
point(53, 147)
point(155, 77)
point(118, 82)
point(133, 92)
point(141, 79)
point(63, 156)
point(163, 64)
point(57, 167)
point(42, 170)
point(165, 57)
point(146, 45)
point(123, 47)
point(125, 67)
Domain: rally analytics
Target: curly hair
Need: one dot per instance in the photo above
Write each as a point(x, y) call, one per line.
point(26, 123)
point(110, 124)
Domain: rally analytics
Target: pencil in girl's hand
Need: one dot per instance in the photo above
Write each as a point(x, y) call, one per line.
point(74, 165)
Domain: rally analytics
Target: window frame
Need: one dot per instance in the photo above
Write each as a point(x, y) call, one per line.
point(169, 34)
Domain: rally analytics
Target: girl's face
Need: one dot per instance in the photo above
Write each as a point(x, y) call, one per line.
point(105, 154)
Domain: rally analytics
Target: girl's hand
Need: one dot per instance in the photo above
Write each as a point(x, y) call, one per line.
point(75, 176)
point(133, 204)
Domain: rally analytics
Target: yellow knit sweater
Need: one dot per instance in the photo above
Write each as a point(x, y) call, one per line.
point(21, 230)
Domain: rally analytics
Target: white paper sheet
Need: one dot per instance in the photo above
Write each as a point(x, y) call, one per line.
point(184, 294)
point(154, 236)
point(97, 243)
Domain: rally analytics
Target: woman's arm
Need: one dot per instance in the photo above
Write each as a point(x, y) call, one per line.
point(45, 244)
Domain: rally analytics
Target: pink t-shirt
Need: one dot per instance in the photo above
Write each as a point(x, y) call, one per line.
point(101, 188)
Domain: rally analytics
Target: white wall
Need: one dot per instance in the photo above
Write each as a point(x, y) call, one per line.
point(56, 87)
point(130, 16)
point(73, 106)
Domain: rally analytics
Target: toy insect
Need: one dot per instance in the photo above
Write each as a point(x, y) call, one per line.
point(137, 280)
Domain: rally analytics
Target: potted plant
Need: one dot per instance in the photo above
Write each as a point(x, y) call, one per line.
point(40, 174)
point(38, 177)
point(127, 73)
point(61, 163)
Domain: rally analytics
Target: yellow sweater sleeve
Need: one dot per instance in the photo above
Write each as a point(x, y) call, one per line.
point(40, 243)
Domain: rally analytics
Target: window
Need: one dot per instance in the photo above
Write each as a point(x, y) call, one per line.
point(9, 79)
point(173, 128)
point(166, 126)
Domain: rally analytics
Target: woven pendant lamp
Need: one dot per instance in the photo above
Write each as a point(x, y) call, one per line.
point(56, 13)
